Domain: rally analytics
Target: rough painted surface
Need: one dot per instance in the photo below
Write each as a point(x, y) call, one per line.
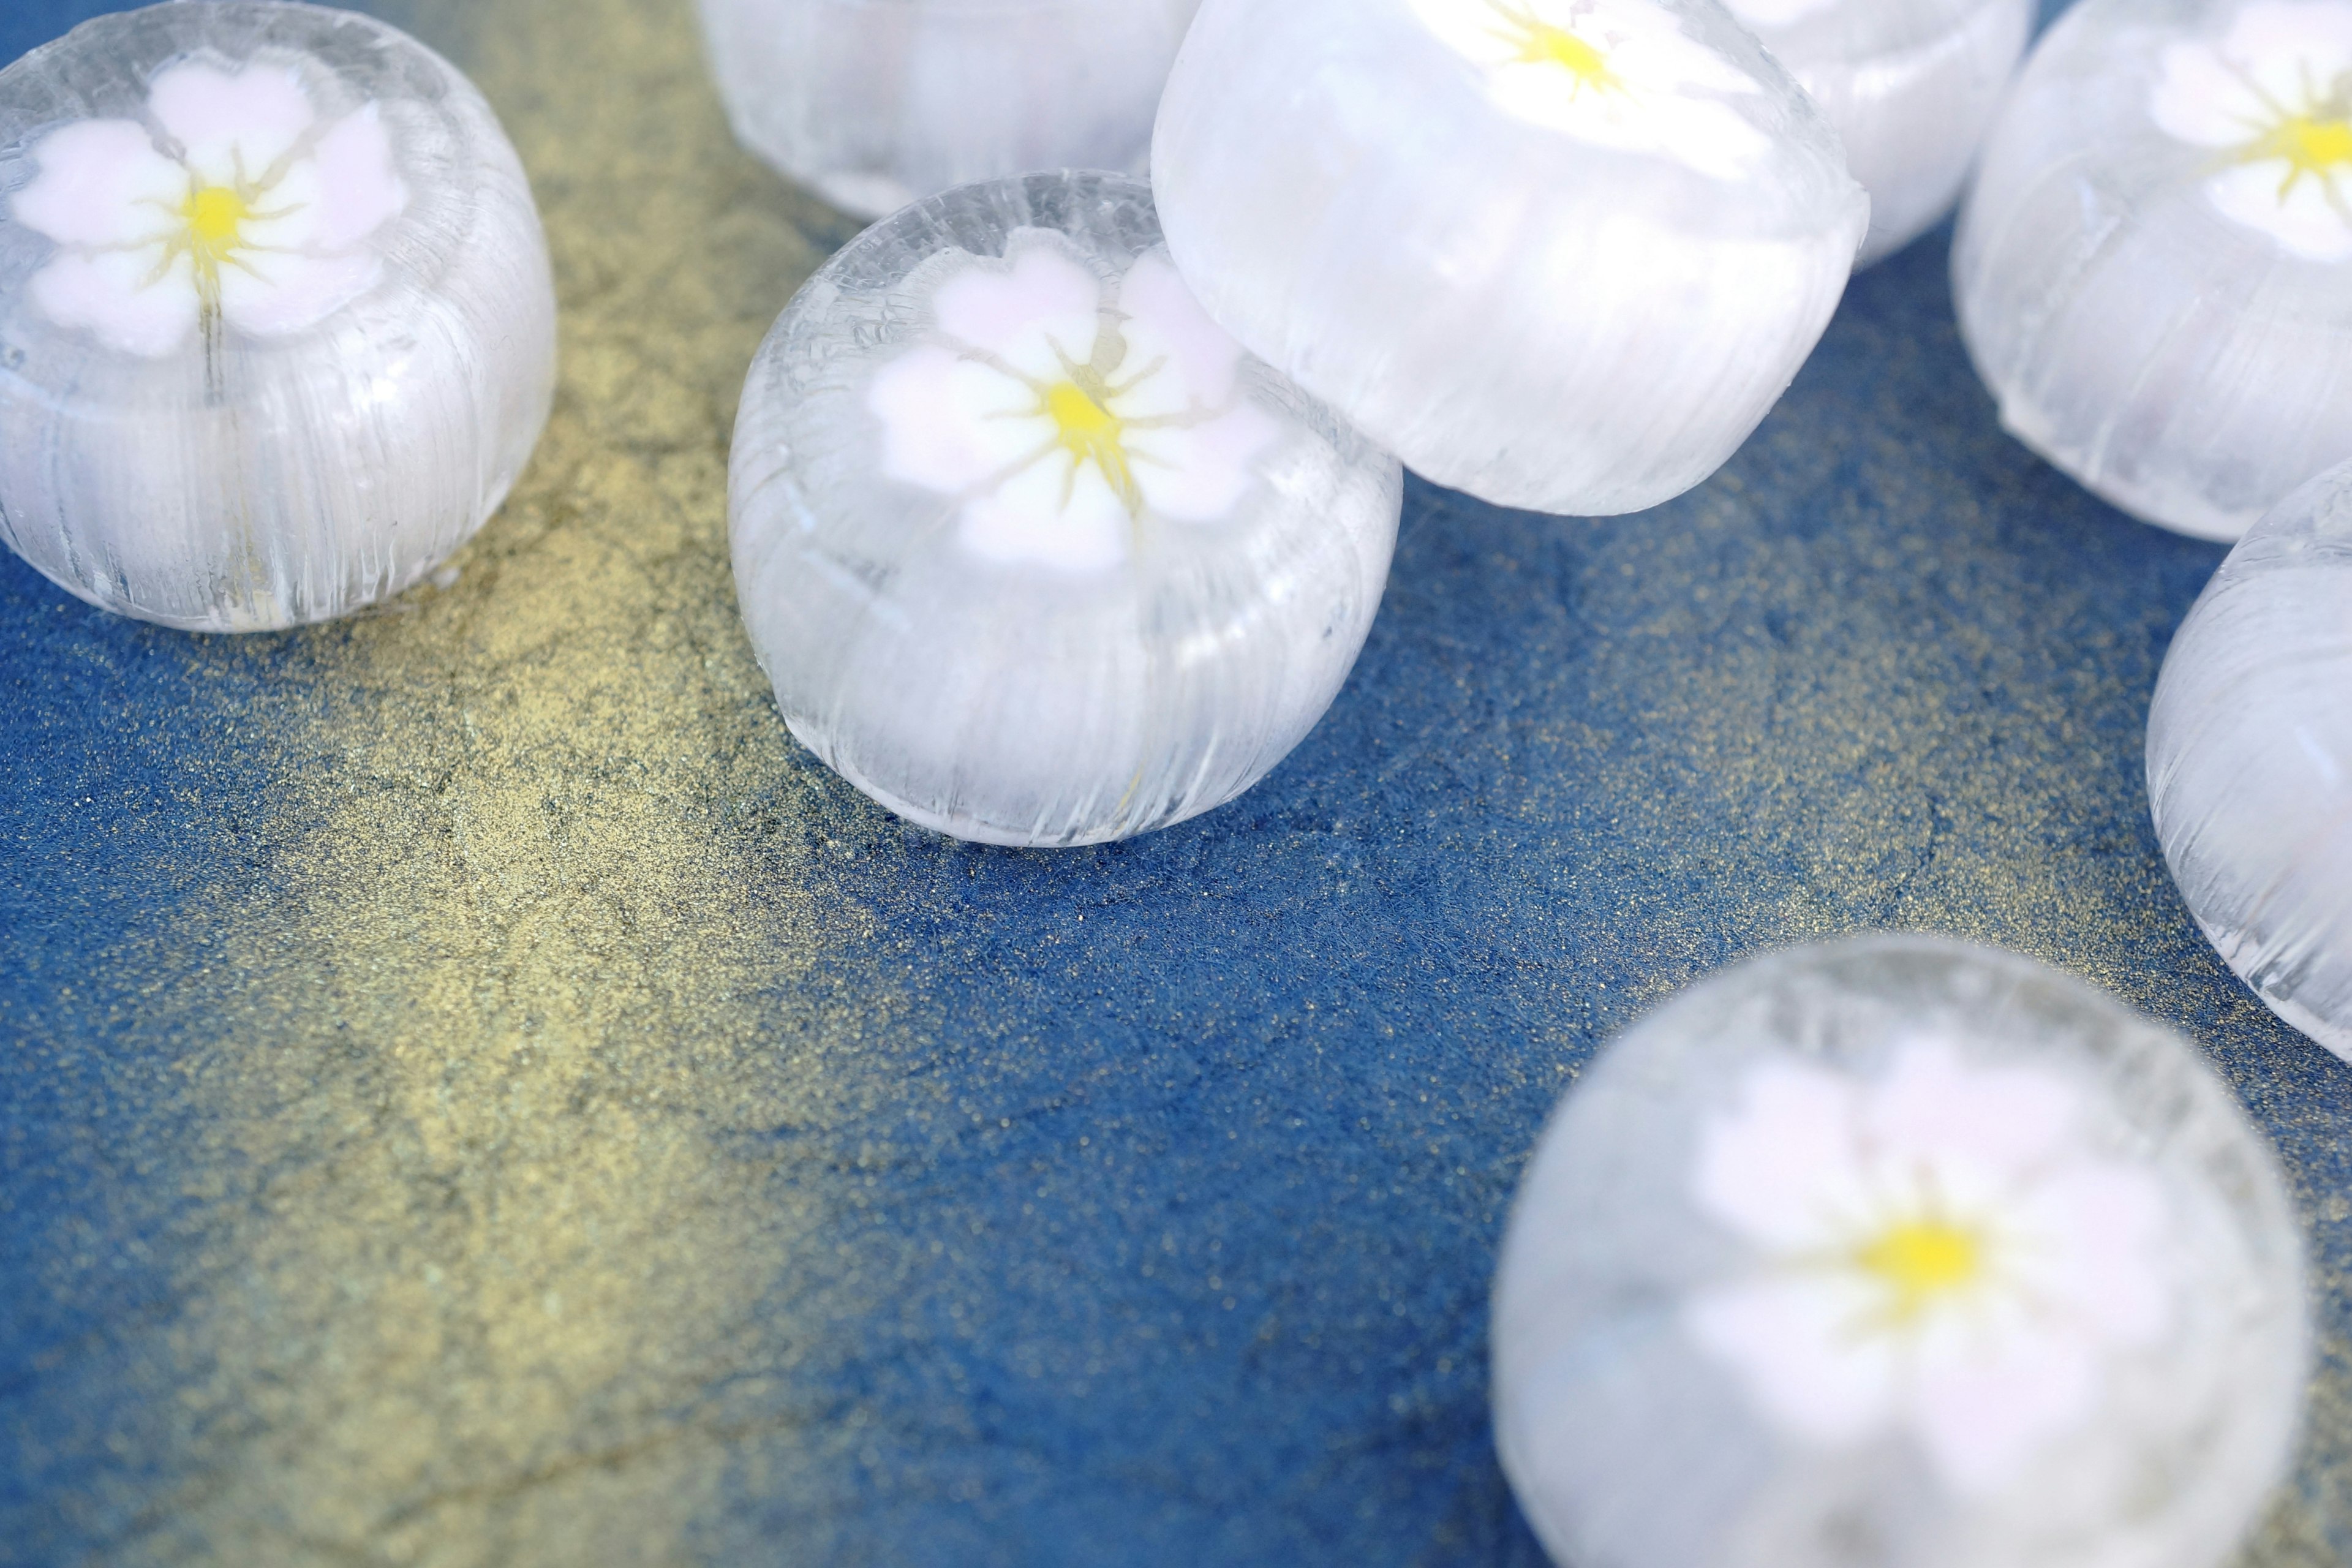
point(480, 1095)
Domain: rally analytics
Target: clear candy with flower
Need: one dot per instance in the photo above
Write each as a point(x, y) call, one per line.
point(278, 308)
point(1899, 1241)
point(1032, 551)
point(1561, 254)
point(2152, 264)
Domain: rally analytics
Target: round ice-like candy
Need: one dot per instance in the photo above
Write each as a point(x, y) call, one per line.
point(1910, 86)
point(1032, 551)
point(274, 312)
point(1900, 1252)
point(1561, 254)
point(2153, 266)
point(2250, 760)
point(876, 104)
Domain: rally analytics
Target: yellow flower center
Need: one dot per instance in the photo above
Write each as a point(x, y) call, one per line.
point(2310, 144)
point(1543, 44)
point(1921, 1259)
point(216, 216)
point(1091, 432)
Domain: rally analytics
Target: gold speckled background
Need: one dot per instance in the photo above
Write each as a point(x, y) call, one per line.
point(484, 1096)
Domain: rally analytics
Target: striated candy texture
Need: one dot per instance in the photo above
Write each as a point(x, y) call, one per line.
point(876, 104)
point(1911, 86)
point(2250, 760)
point(2154, 267)
point(275, 311)
point(1561, 254)
point(1898, 1252)
point(1032, 551)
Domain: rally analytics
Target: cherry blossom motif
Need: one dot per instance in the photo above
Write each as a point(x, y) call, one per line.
point(1619, 74)
point(2273, 97)
point(232, 205)
point(1938, 1257)
point(1065, 412)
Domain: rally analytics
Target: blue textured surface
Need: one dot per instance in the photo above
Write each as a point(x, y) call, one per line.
point(1158, 1225)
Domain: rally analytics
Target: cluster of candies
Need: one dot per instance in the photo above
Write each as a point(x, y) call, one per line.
point(1062, 504)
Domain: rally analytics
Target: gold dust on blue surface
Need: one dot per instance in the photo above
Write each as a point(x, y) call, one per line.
point(471, 1227)
point(507, 988)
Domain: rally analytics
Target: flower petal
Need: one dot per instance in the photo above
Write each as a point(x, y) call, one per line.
point(1782, 1171)
point(2201, 99)
point(1030, 519)
point(1472, 28)
point(1644, 105)
point(1795, 1344)
point(1165, 325)
point(117, 295)
point(1196, 473)
point(2093, 1228)
point(1977, 1129)
point(1047, 309)
point(1662, 58)
point(2296, 213)
point(1711, 137)
point(228, 122)
point(2291, 51)
point(1983, 1414)
point(101, 182)
point(361, 189)
point(950, 423)
point(269, 293)
point(295, 211)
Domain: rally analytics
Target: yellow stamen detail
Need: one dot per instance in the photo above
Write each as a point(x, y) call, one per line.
point(1091, 432)
point(1547, 45)
point(2310, 145)
point(216, 215)
point(1921, 1259)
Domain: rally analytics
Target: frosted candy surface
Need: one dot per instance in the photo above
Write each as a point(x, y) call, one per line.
point(2250, 760)
point(1904, 1252)
point(876, 105)
point(1561, 254)
point(276, 311)
point(1032, 551)
point(1911, 86)
point(2154, 267)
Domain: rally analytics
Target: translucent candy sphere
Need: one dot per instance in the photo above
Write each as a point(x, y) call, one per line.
point(1898, 1252)
point(275, 311)
point(1911, 86)
point(1561, 254)
point(2154, 267)
point(1035, 553)
point(2250, 760)
point(875, 104)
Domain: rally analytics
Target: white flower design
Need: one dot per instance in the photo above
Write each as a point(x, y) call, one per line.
point(1940, 1258)
point(1619, 74)
point(1063, 412)
point(2274, 97)
point(230, 205)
